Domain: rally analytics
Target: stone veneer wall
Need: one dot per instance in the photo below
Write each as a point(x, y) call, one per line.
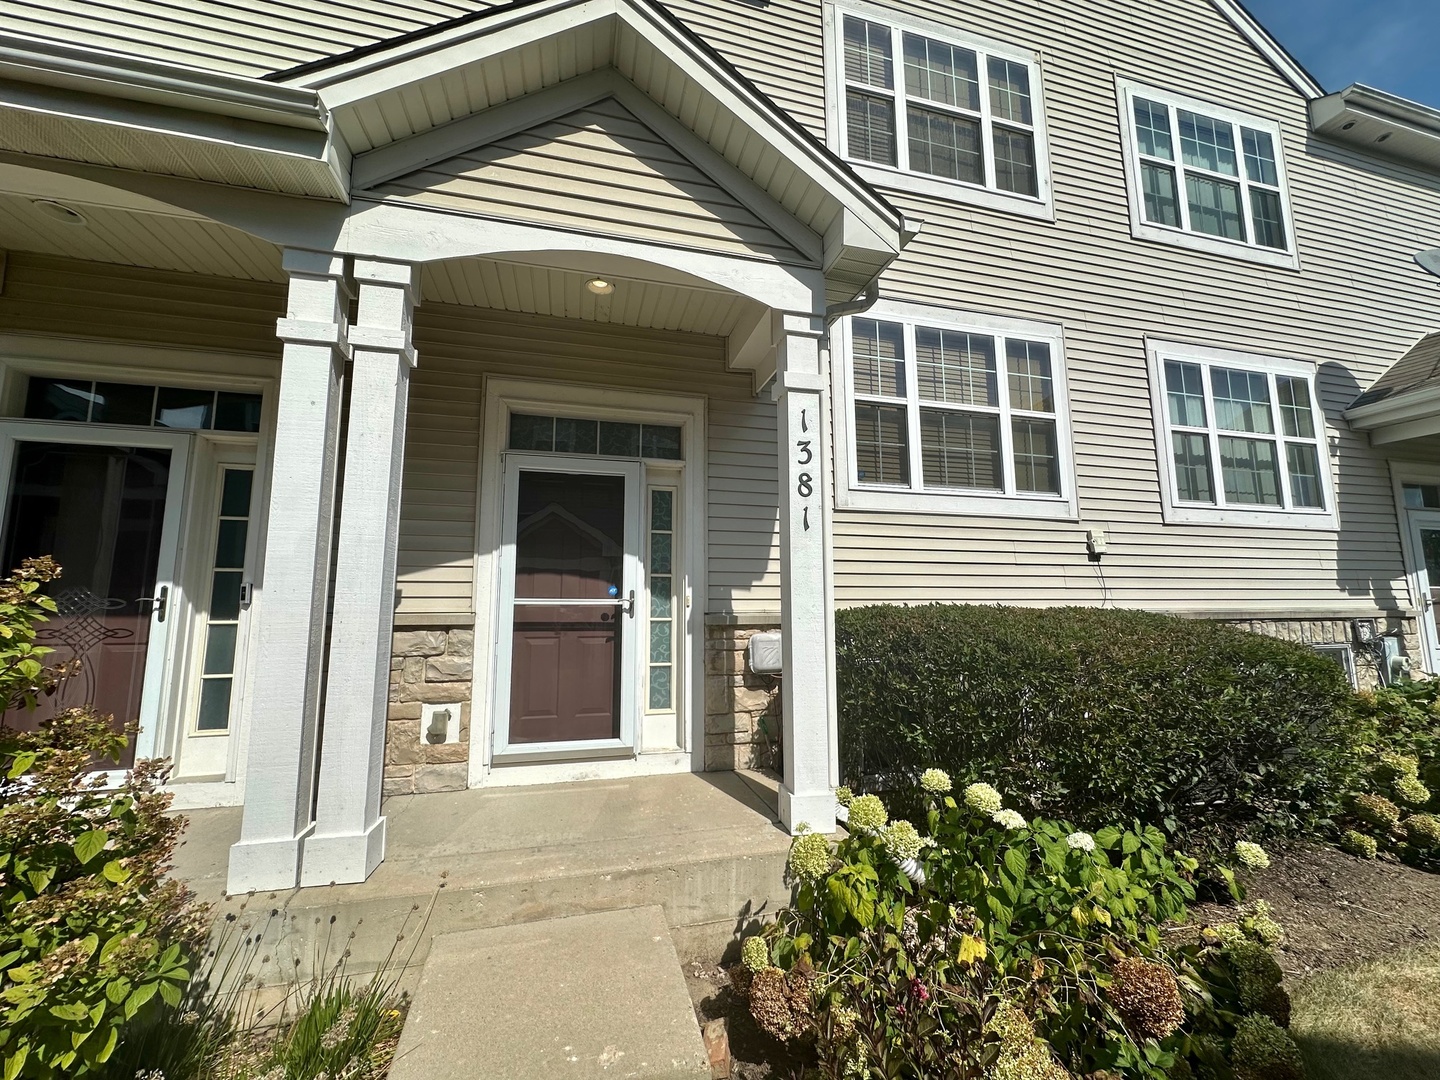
point(432, 666)
point(1338, 632)
point(742, 709)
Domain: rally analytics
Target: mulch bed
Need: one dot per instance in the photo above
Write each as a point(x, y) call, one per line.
point(753, 1054)
point(1338, 910)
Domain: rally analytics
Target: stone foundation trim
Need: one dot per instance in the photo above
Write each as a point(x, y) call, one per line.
point(432, 666)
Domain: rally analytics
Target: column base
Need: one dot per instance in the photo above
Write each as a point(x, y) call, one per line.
point(265, 865)
point(344, 859)
point(815, 809)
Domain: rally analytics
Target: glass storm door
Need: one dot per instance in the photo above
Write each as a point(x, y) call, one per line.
point(107, 513)
point(569, 580)
point(1425, 539)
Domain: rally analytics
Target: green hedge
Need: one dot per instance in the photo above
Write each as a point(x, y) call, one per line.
point(1097, 715)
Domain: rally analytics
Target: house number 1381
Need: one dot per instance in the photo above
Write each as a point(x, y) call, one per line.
point(804, 483)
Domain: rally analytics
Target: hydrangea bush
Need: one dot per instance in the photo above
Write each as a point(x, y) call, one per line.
point(982, 945)
point(93, 936)
point(1393, 805)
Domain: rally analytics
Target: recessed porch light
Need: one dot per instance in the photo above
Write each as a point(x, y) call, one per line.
point(600, 287)
point(59, 211)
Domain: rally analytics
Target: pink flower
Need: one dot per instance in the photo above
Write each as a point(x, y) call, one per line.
point(918, 989)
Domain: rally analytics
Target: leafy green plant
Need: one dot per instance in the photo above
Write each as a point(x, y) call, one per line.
point(1395, 774)
point(1204, 731)
point(92, 935)
point(921, 948)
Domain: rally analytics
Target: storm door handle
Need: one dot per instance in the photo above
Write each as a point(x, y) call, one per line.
point(161, 601)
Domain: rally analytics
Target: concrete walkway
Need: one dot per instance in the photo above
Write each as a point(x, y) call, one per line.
point(704, 847)
point(583, 997)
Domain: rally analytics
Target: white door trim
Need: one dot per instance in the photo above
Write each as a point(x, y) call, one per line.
point(158, 659)
point(1420, 585)
point(514, 464)
point(504, 395)
point(1402, 473)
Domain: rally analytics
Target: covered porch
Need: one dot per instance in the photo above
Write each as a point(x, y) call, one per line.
point(567, 333)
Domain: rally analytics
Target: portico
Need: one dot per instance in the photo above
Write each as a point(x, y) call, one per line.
point(618, 258)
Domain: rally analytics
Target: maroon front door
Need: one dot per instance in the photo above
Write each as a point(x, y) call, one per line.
point(100, 511)
point(571, 605)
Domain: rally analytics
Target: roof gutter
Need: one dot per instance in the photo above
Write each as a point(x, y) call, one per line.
point(76, 70)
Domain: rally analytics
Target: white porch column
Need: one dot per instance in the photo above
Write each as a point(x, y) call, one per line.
point(285, 708)
point(349, 838)
point(808, 793)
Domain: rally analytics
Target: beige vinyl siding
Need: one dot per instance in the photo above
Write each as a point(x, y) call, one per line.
point(459, 346)
point(42, 294)
point(1356, 305)
point(598, 169)
point(254, 38)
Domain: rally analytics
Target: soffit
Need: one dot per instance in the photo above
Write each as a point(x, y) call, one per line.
point(133, 238)
point(537, 289)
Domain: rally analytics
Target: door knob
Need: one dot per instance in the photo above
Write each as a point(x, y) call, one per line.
point(160, 600)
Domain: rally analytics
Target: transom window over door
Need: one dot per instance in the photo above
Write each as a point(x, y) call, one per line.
point(1242, 439)
point(954, 414)
point(960, 118)
point(1205, 177)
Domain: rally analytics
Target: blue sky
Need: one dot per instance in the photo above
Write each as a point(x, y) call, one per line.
point(1388, 44)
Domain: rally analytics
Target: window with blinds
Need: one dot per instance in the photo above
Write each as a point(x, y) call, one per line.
point(919, 100)
point(947, 408)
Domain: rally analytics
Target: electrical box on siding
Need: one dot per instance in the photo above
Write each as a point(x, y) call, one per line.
point(765, 655)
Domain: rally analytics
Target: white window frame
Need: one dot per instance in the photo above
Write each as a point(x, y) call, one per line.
point(916, 499)
point(1182, 236)
point(1285, 516)
point(1041, 205)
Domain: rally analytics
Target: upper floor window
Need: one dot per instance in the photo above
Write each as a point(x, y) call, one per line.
point(948, 412)
point(1205, 177)
point(1242, 439)
point(959, 118)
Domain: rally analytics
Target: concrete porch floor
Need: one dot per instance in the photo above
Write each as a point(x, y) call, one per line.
point(706, 848)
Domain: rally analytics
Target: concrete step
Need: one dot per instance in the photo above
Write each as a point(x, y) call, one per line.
point(704, 848)
point(583, 997)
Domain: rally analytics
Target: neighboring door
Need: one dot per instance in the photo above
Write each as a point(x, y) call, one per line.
point(1425, 545)
point(570, 572)
point(107, 508)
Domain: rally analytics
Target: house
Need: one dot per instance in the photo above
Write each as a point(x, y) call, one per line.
point(422, 395)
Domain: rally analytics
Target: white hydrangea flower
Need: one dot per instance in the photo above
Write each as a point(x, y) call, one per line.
point(1008, 819)
point(982, 797)
point(935, 781)
point(1081, 841)
point(1251, 854)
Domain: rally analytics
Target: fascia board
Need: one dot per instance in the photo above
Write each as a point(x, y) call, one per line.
point(1408, 405)
point(1279, 58)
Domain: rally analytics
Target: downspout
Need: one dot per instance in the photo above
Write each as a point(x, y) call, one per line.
point(861, 304)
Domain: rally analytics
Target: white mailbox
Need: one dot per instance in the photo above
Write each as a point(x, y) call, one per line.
point(765, 655)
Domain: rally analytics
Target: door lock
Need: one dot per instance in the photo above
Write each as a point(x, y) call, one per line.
point(161, 599)
point(629, 604)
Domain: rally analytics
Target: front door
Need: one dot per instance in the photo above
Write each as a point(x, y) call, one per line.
point(570, 571)
point(1425, 543)
point(107, 509)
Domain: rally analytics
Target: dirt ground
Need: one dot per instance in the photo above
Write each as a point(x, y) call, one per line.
point(1338, 910)
point(754, 1055)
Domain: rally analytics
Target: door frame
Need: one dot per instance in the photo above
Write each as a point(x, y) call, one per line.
point(159, 658)
point(1419, 576)
point(513, 464)
point(502, 396)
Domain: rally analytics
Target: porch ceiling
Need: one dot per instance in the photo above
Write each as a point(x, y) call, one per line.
point(137, 232)
point(641, 299)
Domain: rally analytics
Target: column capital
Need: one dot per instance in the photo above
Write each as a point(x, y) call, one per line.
point(798, 324)
point(307, 263)
point(389, 292)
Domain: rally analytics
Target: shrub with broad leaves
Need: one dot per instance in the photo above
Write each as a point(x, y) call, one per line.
point(1017, 950)
point(93, 937)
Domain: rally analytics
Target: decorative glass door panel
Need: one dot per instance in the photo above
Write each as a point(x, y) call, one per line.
point(1425, 535)
point(571, 597)
point(101, 512)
